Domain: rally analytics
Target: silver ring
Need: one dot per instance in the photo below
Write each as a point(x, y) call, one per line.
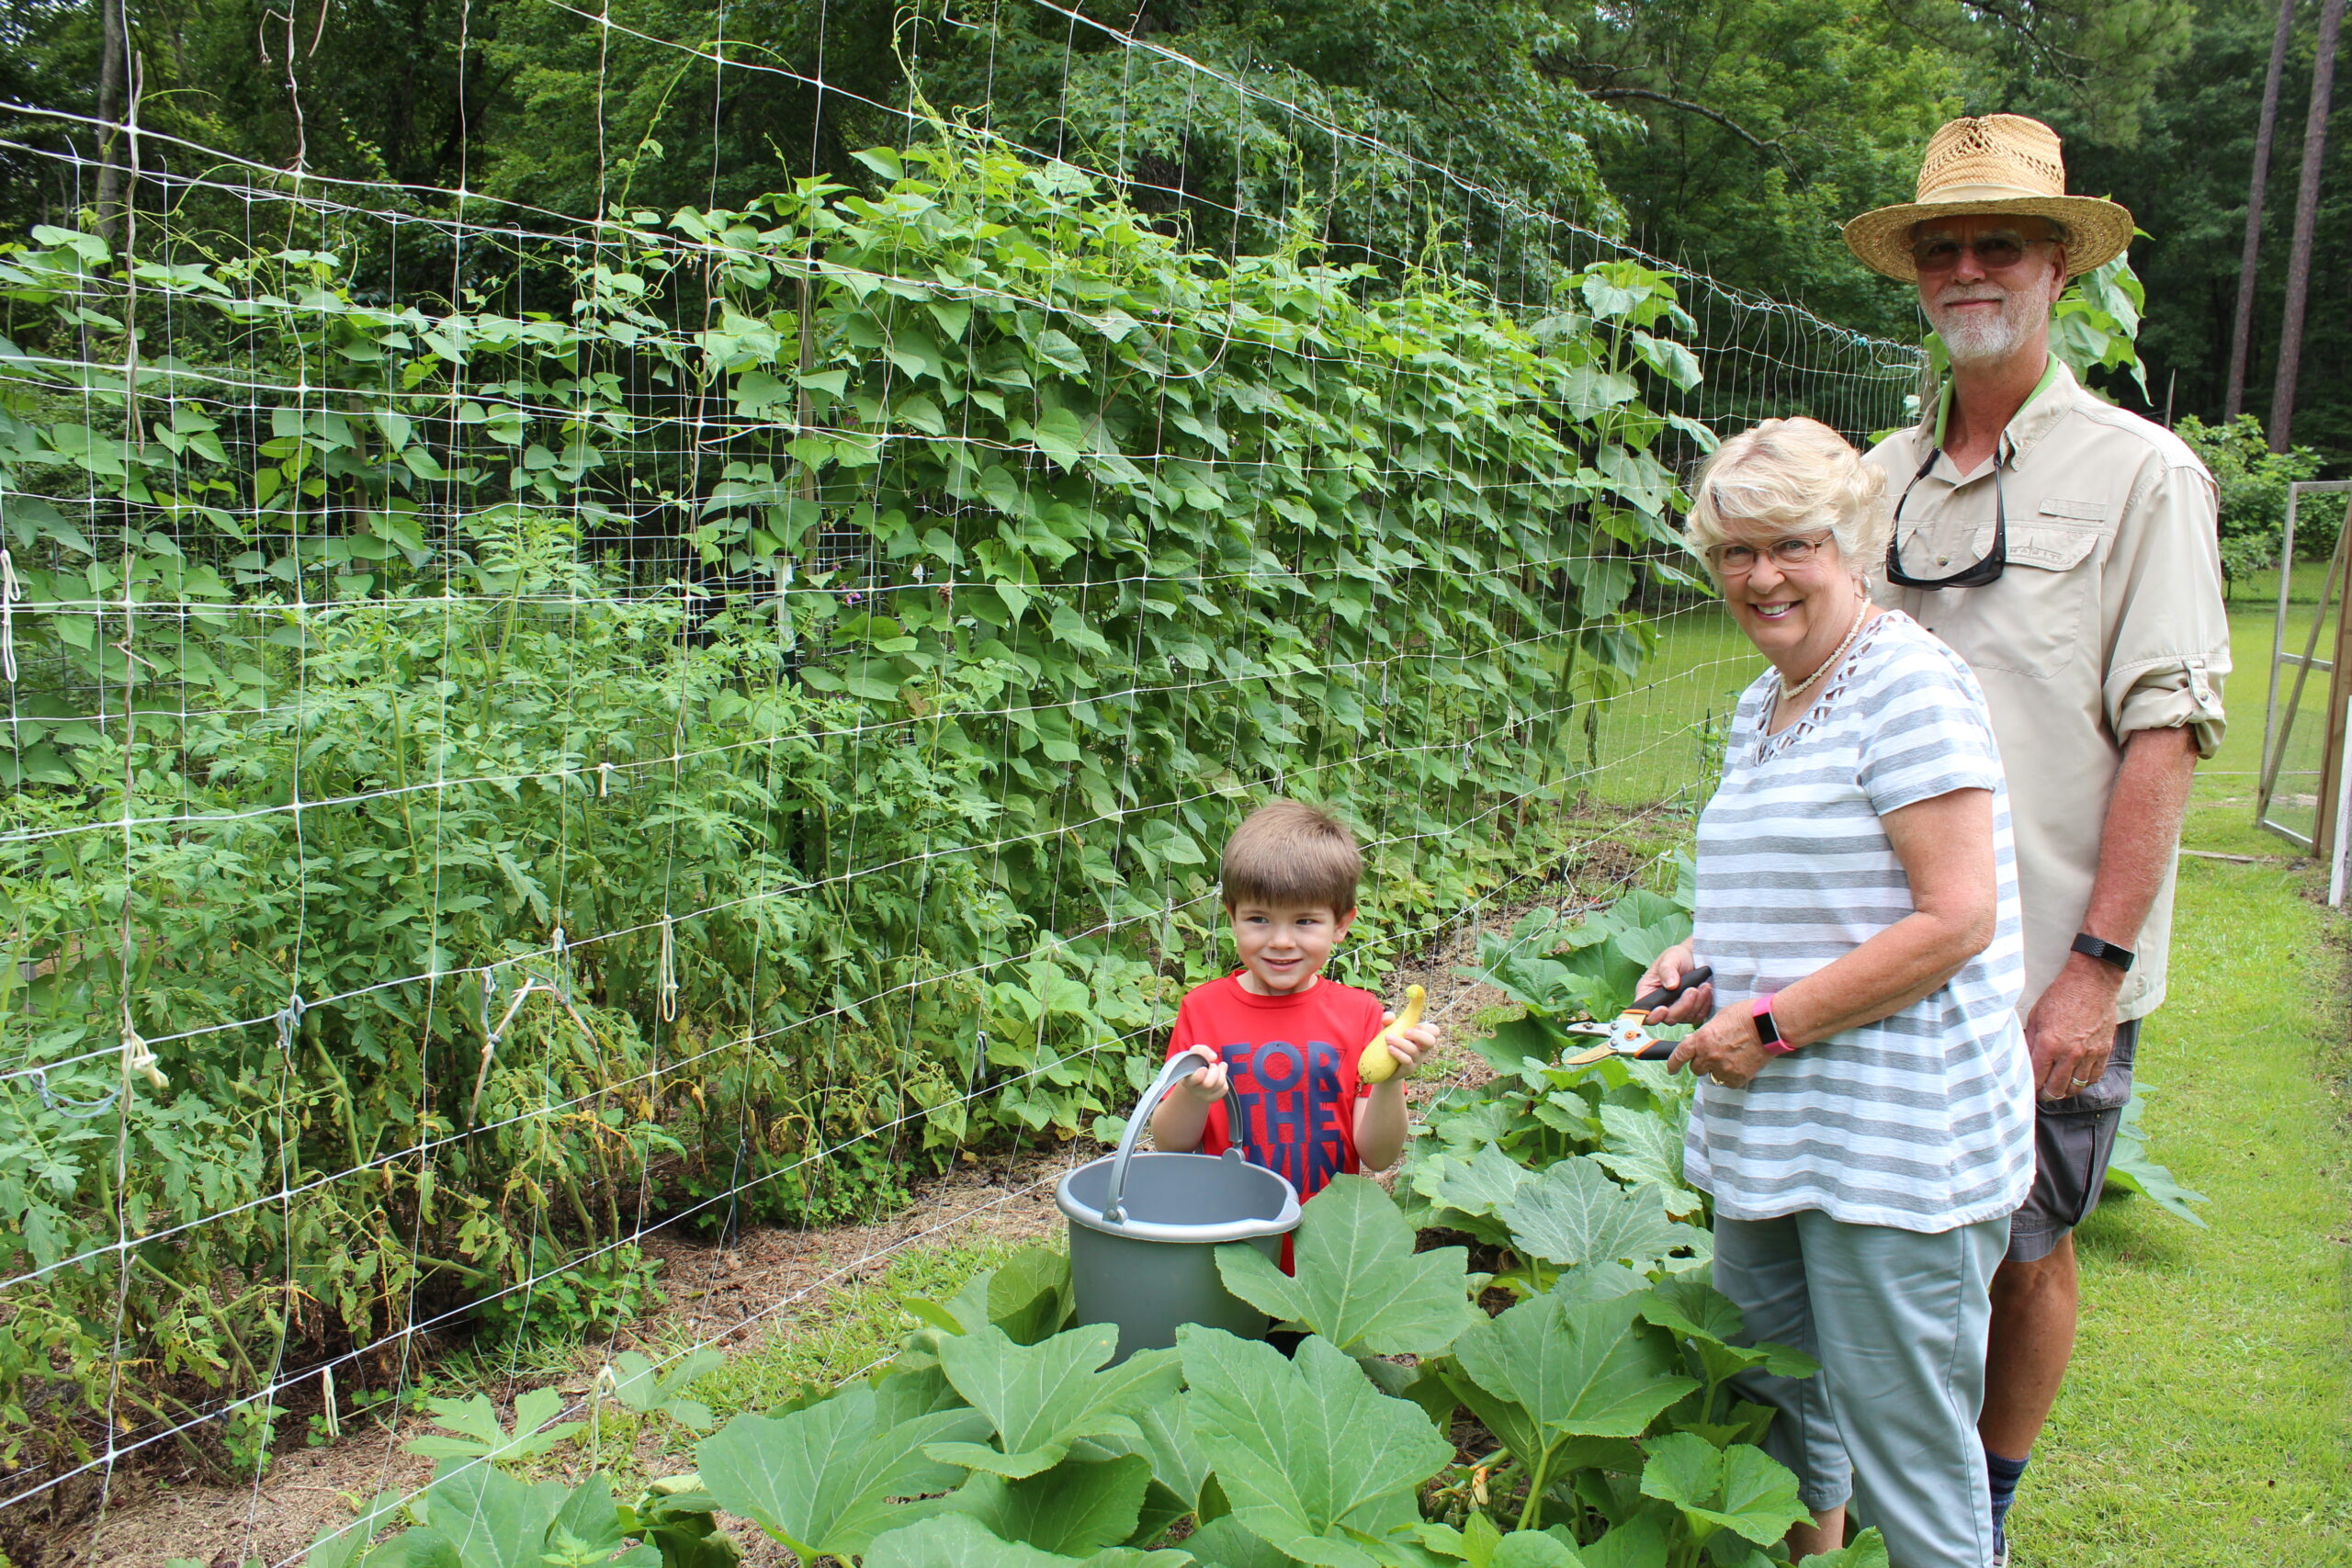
point(2085, 1083)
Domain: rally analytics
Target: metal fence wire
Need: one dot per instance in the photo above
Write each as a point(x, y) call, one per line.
point(530, 731)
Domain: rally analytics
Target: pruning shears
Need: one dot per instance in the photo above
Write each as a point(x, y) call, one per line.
point(1624, 1037)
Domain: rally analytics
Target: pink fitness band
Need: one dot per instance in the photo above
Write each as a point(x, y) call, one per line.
point(1768, 1031)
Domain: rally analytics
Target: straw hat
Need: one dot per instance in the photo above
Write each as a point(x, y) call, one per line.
point(1992, 163)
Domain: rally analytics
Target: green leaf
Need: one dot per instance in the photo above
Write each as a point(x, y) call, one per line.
point(1687, 1305)
point(1306, 1448)
point(1029, 1294)
point(1359, 1283)
point(955, 1541)
point(1668, 359)
point(587, 1533)
point(1583, 1371)
point(1180, 1471)
point(1573, 1213)
point(1532, 1549)
point(1645, 1148)
point(820, 1479)
point(1059, 349)
point(2132, 1169)
point(489, 1518)
point(1225, 1542)
point(482, 1436)
point(1866, 1550)
point(1076, 1508)
point(1637, 476)
point(1038, 1399)
point(1482, 1185)
point(1741, 1489)
point(1060, 436)
point(1639, 1542)
point(1684, 1305)
point(642, 1386)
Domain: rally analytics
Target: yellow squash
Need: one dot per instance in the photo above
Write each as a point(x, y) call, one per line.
point(1376, 1064)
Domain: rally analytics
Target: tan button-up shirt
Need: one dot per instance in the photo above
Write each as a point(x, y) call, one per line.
point(2107, 619)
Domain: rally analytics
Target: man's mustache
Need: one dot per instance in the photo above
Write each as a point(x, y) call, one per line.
point(1996, 296)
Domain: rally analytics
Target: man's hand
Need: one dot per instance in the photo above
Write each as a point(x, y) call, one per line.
point(2072, 1028)
point(1725, 1049)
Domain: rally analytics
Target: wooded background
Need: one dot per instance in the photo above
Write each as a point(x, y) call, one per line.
point(1731, 135)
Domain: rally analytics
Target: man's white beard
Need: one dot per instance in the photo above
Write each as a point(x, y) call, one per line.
point(1972, 338)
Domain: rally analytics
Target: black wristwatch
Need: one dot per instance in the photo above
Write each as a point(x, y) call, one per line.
point(2090, 947)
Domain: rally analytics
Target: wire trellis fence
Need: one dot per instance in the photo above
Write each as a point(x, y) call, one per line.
point(530, 730)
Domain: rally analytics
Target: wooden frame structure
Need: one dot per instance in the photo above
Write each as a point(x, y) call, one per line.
point(2278, 723)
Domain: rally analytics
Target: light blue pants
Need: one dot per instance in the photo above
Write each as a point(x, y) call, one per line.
point(1897, 1320)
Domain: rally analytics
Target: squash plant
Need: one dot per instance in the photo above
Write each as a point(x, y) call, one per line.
point(1588, 1426)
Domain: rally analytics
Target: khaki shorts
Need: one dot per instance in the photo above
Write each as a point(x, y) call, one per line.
point(2072, 1140)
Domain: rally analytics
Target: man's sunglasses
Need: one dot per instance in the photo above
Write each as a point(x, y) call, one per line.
point(1940, 253)
point(1995, 561)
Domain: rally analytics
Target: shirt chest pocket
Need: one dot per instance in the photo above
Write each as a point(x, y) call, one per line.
point(2030, 621)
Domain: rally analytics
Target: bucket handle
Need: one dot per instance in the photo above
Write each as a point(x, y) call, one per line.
point(1183, 1061)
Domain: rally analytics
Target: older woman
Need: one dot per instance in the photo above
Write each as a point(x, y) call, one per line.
point(1865, 1121)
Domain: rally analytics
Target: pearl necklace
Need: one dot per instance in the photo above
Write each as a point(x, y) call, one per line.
point(1789, 692)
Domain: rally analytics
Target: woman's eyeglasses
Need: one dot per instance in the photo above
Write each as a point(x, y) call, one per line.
point(2002, 247)
point(1738, 561)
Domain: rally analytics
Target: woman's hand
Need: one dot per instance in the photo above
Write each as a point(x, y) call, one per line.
point(1725, 1049)
point(1671, 965)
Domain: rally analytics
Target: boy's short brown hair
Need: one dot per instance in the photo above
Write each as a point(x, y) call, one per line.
point(1287, 852)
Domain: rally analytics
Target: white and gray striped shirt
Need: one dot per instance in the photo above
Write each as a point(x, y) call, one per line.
point(1924, 1119)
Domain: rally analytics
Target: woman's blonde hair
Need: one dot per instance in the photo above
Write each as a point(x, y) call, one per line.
point(1790, 475)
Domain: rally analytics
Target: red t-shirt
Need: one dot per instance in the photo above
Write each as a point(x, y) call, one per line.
point(1291, 1066)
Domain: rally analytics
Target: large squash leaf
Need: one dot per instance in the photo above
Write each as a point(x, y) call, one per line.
point(1076, 1508)
point(1307, 1449)
point(1583, 1371)
point(820, 1479)
point(1741, 1489)
point(1038, 1399)
point(1573, 1213)
point(1359, 1284)
point(480, 1517)
point(958, 1540)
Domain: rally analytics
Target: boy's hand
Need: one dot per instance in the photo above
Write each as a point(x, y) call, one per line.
point(1409, 1047)
point(1207, 1085)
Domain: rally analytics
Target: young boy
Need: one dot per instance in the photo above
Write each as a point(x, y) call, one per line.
point(1285, 1089)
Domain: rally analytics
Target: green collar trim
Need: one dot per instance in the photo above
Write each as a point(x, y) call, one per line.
point(1943, 399)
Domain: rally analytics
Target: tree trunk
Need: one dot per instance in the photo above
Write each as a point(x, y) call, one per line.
point(111, 99)
point(2257, 184)
point(2299, 260)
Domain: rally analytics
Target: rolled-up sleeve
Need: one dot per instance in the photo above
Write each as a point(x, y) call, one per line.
point(2171, 636)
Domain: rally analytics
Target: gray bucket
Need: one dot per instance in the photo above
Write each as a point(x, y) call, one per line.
point(1143, 1230)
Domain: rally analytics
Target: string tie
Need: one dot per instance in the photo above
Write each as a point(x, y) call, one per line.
point(11, 592)
point(289, 1020)
point(139, 1059)
point(669, 971)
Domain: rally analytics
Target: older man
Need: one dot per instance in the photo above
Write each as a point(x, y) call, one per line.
point(2066, 550)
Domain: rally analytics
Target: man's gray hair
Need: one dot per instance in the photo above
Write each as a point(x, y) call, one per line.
point(1785, 477)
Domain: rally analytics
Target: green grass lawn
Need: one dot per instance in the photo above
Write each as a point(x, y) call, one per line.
point(2208, 1416)
point(1661, 736)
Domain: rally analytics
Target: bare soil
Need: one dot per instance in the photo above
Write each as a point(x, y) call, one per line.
point(771, 1283)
